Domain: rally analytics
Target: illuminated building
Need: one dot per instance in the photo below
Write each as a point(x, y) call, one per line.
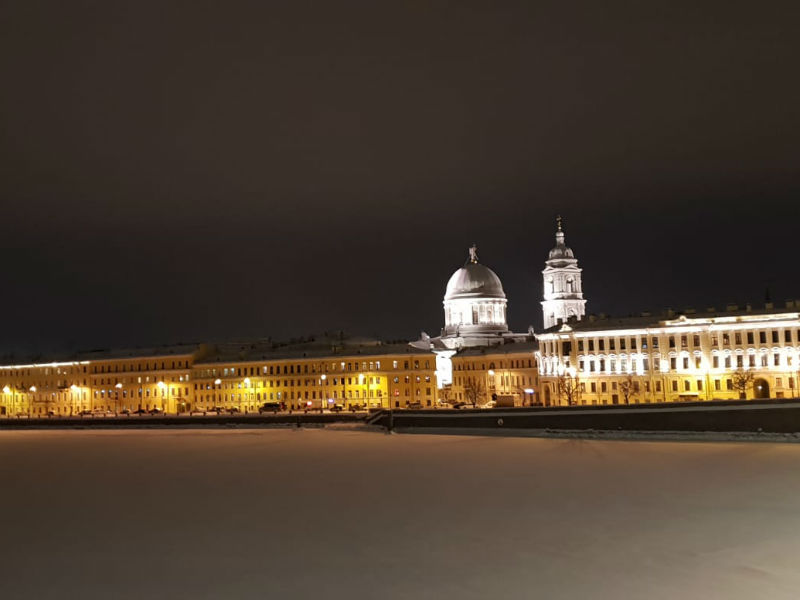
point(506, 373)
point(679, 357)
point(315, 375)
point(715, 355)
point(186, 378)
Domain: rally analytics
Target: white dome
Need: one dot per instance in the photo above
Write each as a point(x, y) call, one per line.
point(474, 280)
point(474, 303)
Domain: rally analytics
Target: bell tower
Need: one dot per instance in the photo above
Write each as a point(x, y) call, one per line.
point(563, 291)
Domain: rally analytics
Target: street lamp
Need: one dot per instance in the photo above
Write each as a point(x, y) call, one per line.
point(323, 394)
point(74, 388)
point(7, 391)
point(530, 392)
point(491, 375)
point(162, 386)
point(247, 387)
point(119, 387)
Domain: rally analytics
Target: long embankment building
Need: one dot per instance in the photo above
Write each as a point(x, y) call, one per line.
point(179, 379)
point(476, 359)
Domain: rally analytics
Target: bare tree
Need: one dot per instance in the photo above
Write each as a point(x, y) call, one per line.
point(629, 388)
point(445, 394)
point(473, 390)
point(742, 379)
point(569, 387)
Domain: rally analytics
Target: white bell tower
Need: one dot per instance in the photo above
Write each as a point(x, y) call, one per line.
point(563, 292)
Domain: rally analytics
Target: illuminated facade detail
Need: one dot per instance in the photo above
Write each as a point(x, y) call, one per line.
point(563, 290)
point(689, 357)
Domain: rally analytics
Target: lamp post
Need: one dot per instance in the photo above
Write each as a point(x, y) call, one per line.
point(74, 389)
point(32, 390)
point(491, 378)
point(7, 391)
point(323, 394)
point(118, 387)
point(163, 386)
point(530, 392)
point(246, 387)
point(217, 383)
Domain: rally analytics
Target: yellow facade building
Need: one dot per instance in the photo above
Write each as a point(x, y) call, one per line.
point(506, 374)
point(187, 378)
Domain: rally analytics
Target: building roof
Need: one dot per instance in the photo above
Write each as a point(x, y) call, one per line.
point(320, 349)
point(508, 348)
point(646, 319)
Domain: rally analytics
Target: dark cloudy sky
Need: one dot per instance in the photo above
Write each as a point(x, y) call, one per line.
point(177, 171)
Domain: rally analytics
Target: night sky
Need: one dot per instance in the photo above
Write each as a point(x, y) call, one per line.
point(184, 171)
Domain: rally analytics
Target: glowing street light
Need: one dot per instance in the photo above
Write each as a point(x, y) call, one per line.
point(162, 386)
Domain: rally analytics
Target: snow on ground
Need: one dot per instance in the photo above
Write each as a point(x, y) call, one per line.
point(316, 513)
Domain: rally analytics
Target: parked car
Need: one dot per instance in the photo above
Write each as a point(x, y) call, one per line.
point(269, 407)
point(140, 411)
point(337, 407)
point(85, 413)
point(460, 405)
point(414, 405)
point(234, 409)
point(155, 411)
point(125, 411)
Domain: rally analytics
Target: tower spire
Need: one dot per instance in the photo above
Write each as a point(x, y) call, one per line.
point(559, 232)
point(563, 293)
point(473, 253)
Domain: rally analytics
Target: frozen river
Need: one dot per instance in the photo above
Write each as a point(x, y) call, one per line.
point(354, 514)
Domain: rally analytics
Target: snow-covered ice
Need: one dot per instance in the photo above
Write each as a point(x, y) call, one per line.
point(318, 513)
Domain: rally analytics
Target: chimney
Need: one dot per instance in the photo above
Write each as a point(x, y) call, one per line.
point(790, 304)
point(748, 307)
point(769, 306)
point(670, 313)
point(732, 307)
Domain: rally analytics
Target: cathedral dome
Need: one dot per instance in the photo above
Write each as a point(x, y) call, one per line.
point(474, 280)
point(474, 305)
